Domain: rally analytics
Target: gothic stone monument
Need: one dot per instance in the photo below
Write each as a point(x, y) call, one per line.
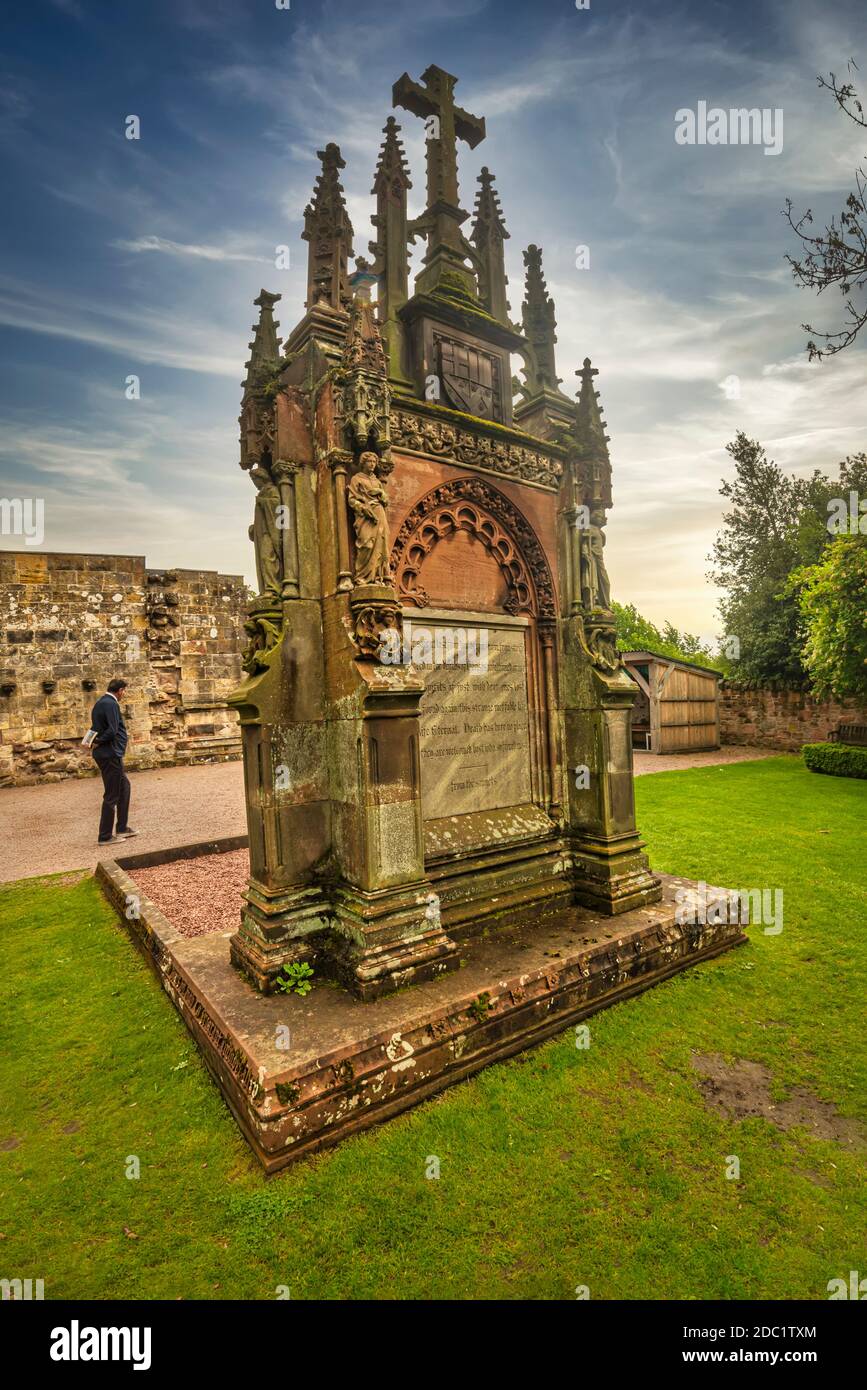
point(435, 717)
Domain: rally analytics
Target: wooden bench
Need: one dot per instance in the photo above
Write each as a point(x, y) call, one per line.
point(850, 733)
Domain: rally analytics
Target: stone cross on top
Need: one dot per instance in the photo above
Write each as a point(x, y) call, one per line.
point(446, 124)
point(436, 98)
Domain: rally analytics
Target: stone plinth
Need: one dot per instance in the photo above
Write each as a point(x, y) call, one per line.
point(349, 1065)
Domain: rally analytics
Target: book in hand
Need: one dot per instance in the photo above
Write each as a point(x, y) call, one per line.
point(89, 739)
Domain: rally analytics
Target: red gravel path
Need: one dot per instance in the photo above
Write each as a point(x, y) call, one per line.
point(200, 895)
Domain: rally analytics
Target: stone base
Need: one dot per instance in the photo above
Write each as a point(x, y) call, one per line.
point(264, 943)
point(387, 940)
point(346, 1065)
point(612, 876)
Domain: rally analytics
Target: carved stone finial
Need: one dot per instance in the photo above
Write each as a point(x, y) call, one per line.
point(539, 323)
point(392, 171)
point(488, 234)
point(390, 250)
point(265, 345)
point(328, 231)
point(590, 441)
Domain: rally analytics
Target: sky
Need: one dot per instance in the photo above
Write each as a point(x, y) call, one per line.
point(142, 257)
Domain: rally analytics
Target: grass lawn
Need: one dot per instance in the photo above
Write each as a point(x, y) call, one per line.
point(602, 1167)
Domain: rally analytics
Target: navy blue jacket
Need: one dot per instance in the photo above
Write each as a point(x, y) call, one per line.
point(107, 720)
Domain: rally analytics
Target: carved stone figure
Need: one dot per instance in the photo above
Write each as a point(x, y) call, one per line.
point(263, 633)
point(265, 533)
point(595, 584)
point(368, 500)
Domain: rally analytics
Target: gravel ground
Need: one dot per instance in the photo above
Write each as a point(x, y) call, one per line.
point(198, 895)
point(49, 829)
point(674, 762)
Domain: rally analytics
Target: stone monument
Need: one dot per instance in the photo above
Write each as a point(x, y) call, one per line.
point(435, 717)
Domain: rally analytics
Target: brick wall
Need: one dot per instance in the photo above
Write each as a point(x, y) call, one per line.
point(69, 623)
point(783, 719)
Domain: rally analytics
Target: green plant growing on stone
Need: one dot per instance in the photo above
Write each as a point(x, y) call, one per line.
point(295, 979)
point(480, 1008)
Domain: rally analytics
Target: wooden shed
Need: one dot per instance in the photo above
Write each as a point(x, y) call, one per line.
point(677, 709)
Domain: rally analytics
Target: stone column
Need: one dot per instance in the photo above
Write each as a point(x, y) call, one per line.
point(384, 934)
point(611, 871)
point(280, 703)
point(547, 638)
point(284, 475)
point(340, 462)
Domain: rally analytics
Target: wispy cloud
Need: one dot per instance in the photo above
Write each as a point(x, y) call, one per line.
point(179, 248)
point(135, 334)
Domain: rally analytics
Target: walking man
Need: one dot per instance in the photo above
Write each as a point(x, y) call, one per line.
point(108, 749)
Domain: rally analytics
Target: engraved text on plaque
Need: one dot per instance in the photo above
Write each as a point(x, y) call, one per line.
point(475, 732)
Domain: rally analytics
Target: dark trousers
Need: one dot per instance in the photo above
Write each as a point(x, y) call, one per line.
point(116, 794)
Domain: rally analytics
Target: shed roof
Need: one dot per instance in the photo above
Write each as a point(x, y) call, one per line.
point(671, 660)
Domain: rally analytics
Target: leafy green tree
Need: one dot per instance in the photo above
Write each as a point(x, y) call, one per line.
point(832, 598)
point(776, 523)
point(635, 633)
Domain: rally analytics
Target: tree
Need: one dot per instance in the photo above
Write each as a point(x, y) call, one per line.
point(838, 255)
point(777, 523)
point(635, 633)
point(832, 597)
point(752, 556)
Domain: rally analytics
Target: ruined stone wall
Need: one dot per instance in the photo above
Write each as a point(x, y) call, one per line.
point(69, 623)
point(783, 719)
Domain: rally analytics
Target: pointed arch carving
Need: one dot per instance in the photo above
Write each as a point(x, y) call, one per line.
point(472, 504)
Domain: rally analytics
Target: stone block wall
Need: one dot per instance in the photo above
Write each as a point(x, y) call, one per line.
point(69, 623)
point(783, 719)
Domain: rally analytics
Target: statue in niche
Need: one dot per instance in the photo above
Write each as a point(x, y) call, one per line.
point(265, 533)
point(595, 584)
point(368, 500)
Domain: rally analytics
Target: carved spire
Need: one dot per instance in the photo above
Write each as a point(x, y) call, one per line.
point(257, 407)
point(328, 231)
point(391, 259)
point(392, 171)
point(537, 317)
point(593, 460)
point(265, 347)
point(488, 234)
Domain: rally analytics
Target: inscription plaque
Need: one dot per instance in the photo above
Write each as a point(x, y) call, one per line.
point(475, 724)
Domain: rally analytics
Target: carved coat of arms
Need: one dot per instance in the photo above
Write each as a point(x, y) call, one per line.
point(469, 378)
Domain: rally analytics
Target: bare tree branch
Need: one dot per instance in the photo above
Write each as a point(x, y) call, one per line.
point(838, 255)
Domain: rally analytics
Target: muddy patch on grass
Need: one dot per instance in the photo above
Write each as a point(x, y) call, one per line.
point(742, 1089)
point(633, 1078)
